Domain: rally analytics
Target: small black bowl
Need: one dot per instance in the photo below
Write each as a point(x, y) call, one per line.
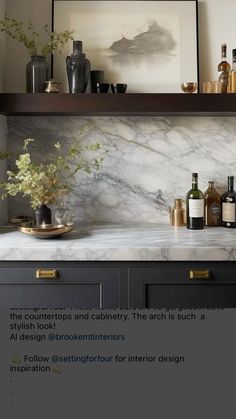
point(118, 87)
point(102, 87)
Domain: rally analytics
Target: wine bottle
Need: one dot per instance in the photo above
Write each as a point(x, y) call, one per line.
point(232, 79)
point(195, 206)
point(228, 201)
point(224, 69)
point(212, 206)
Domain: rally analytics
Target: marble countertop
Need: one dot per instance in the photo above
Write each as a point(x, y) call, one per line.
point(137, 242)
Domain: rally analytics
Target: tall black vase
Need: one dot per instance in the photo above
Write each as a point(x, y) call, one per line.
point(78, 70)
point(37, 73)
point(42, 215)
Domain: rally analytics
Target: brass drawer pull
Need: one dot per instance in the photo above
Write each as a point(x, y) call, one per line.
point(46, 273)
point(206, 274)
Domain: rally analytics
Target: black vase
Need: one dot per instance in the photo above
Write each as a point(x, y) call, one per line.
point(78, 70)
point(42, 215)
point(37, 73)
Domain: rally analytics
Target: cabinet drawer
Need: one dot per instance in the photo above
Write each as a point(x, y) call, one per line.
point(204, 296)
point(63, 274)
point(87, 295)
point(179, 272)
point(59, 285)
point(183, 284)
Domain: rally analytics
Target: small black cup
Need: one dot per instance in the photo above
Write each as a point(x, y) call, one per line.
point(118, 87)
point(96, 76)
point(102, 87)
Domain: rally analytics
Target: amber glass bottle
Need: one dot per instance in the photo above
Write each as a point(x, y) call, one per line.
point(224, 69)
point(212, 206)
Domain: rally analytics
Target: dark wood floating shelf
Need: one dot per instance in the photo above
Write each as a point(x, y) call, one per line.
point(118, 104)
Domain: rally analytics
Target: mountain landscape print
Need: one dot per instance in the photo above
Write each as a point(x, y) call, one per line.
point(156, 39)
point(145, 52)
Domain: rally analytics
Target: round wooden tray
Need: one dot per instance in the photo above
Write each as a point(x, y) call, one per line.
point(47, 232)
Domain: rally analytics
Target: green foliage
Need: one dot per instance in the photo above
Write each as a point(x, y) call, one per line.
point(26, 34)
point(45, 183)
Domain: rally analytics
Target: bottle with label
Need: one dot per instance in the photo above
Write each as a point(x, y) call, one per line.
point(195, 206)
point(212, 206)
point(224, 69)
point(228, 201)
point(232, 79)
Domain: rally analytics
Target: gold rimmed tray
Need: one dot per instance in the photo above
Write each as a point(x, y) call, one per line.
point(47, 232)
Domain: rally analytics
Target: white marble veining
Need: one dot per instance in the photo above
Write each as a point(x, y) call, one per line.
point(149, 161)
point(136, 242)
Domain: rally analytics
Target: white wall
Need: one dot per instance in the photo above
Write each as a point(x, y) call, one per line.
point(216, 25)
point(39, 12)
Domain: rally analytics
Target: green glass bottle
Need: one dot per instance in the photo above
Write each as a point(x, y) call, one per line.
point(195, 206)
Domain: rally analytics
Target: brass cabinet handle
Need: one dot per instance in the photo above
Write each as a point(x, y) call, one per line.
point(46, 273)
point(195, 274)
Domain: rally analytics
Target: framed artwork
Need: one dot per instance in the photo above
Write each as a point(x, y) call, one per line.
point(152, 46)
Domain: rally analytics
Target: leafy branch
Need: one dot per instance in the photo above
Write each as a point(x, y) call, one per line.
point(45, 183)
point(26, 34)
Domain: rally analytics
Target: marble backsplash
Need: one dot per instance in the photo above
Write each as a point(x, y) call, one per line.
point(149, 161)
point(3, 166)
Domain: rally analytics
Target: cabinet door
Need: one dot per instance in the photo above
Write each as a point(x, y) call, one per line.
point(75, 287)
point(168, 284)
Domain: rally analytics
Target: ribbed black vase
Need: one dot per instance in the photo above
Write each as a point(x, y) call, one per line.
point(42, 215)
point(37, 73)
